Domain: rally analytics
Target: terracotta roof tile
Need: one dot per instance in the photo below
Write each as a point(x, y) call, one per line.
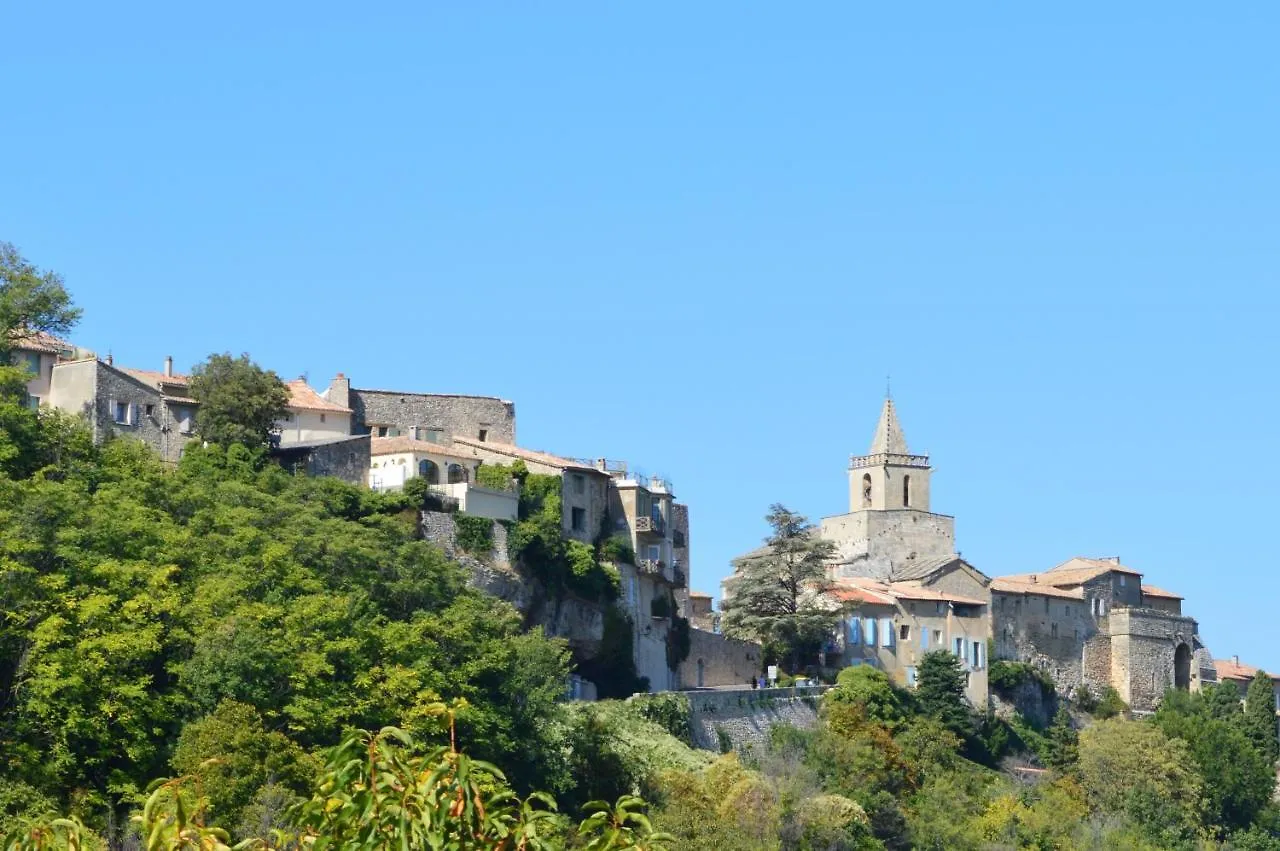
point(1230, 669)
point(1077, 570)
point(303, 398)
point(1153, 591)
point(39, 341)
point(399, 445)
point(513, 451)
point(850, 593)
point(154, 378)
point(1023, 584)
point(871, 591)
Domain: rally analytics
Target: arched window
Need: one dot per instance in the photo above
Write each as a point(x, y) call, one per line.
point(866, 490)
point(1182, 667)
point(457, 474)
point(906, 491)
point(429, 470)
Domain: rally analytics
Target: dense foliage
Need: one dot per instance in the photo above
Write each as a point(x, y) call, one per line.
point(240, 402)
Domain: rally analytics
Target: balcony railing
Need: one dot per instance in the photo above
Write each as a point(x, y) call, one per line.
point(652, 567)
point(890, 458)
point(654, 525)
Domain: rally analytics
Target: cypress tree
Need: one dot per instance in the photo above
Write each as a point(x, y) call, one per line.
point(1260, 716)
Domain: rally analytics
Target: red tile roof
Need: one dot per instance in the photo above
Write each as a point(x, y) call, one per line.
point(1230, 669)
point(39, 341)
point(513, 451)
point(154, 378)
point(303, 398)
point(882, 593)
point(405, 444)
point(1025, 584)
point(1153, 591)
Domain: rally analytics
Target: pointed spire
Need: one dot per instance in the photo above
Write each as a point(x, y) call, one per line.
point(889, 438)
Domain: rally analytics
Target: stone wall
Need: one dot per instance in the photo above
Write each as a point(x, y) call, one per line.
point(1143, 644)
point(745, 716)
point(871, 543)
point(717, 660)
point(1051, 633)
point(454, 415)
point(347, 460)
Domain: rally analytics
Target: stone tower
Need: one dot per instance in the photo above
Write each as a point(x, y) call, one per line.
point(889, 476)
point(889, 532)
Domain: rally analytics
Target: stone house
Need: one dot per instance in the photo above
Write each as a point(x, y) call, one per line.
point(1092, 623)
point(424, 416)
point(891, 625)
point(449, 469)
point(37, 353)
point(345, 458)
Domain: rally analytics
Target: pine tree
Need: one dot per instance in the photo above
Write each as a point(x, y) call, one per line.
point(1064, 742)
point(1260, 716)
point(776, 594)
point(940, 691)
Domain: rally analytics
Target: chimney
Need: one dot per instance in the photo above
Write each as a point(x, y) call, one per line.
point(339, 392)
point(168, 366)
point(110, 359)
point(1035, 578)
point(1235, 660)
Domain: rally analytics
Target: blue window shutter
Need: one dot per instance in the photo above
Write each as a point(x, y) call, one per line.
point(871, 632)
point(924, 638)
point(855, 630)
point(886, 637)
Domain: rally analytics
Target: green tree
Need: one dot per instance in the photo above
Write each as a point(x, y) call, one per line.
point(1224, 701)
point(1238, 784)
point(777, 592)
point(30, 301)
point(1132, 769)
point(1260, 716)
point(871, 692)
point(1063, 743)
point(939, 691)
point(240, 402)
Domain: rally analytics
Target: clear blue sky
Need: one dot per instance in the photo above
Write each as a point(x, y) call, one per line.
point(698, 235)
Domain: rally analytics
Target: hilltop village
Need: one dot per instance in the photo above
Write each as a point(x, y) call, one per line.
point(896, 579)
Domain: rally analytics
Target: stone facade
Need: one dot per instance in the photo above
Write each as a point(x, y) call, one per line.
point(345, 458)
point(717, 660)
point(874, 542)
point(115, 403)
point(1090, 624)
point(415, 414)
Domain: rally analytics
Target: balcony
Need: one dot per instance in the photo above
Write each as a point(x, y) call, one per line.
point(652, 525)
point(857, 462)
point(653, 569)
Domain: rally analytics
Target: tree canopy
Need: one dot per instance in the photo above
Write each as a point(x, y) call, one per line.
point(240, 402)
point(30, 300)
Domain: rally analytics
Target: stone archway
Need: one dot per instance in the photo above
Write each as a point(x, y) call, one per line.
point(1182, 667)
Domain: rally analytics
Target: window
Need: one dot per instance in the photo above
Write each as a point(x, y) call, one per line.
point(33, 402)
point(906, 491)
point(855, 631)
point(869, 631)
point(579, 482)
point(937, 638)
point(1121, 580)
point(866, 490)
point(457, 474)
point(1046, 605)
point(924, 639)
point(322, 418)
point(151, 410)
point(1053, 630)
point(120, 412)
point(429, 470)
point(886, 633)
point(978, 651)
point(578, 519)
point(937, 608)
point(30, 362)
point(183, 418)
point(393, 431)
point(484, 435)
point(654, 552)
point(958, 647)
point(904, 632)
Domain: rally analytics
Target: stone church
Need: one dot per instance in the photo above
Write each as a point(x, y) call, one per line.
point(903, 591)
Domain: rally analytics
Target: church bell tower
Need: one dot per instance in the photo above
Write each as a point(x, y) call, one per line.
point(889, 477)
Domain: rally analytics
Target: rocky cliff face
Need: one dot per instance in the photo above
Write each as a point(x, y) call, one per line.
point(578, 621)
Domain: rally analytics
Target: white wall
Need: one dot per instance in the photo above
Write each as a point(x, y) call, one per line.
point(304, 426)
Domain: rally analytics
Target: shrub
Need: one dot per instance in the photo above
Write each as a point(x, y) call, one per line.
point(1110, 705)
point(617, 550)
point(474, 534)
point(670, 710)
point(496, 477)
point(678, 642)
point(1005, 677)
